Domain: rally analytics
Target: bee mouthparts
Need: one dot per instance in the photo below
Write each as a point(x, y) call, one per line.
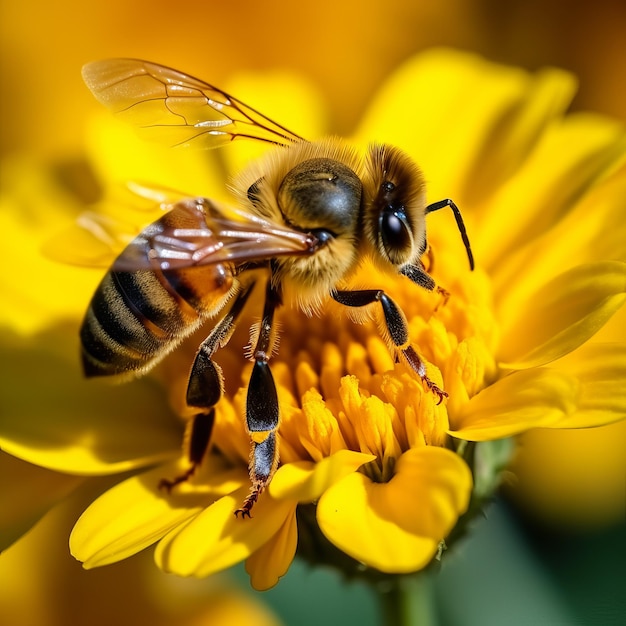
point(319, 237)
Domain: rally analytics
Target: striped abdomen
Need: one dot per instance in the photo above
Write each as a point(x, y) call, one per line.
point(137, 316)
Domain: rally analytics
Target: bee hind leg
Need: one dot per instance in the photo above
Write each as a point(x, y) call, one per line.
point(204, 389)
point(197, 439)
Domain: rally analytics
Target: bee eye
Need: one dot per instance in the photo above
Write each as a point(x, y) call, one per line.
point(395, 233)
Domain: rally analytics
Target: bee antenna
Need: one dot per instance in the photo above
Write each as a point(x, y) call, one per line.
point(442, 204)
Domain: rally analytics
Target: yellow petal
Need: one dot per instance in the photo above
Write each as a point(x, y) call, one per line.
point(614, 331)
point(522, 400)
point(349, 516)
point(465, 143)
point(594, 229)
point(305, 481)
point(438, 482)
point(272, 560)
point(26, 493)
point(43, 585)
point(131, 516)
point(74, 425)
point(215, 539)
point(397, 526)
point(567, 163)
point(601, 371)
point(528, 105)
point(562, 314)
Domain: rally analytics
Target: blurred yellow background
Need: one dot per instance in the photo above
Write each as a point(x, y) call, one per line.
point(345, 48)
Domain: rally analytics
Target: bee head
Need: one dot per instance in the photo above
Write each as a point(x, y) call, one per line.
point(395, 200)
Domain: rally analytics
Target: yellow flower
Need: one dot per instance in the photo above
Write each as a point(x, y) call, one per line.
point(42, 584)
point(372, 466)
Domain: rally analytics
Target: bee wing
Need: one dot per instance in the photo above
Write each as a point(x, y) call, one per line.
point(98, 235)
point(170, 106)
point(192, 232)
point(95, 239)
point(198, 232)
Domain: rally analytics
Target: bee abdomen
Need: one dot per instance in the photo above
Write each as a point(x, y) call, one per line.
point(132, 321)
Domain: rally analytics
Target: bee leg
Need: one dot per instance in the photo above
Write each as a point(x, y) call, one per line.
point(396, 325)
point(448, 204)
point(264, 455)
point(262, 411)
point(418, 275)
point(204, 389)
point(197, 439)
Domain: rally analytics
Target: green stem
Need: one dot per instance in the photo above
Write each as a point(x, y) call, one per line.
point(408, 601)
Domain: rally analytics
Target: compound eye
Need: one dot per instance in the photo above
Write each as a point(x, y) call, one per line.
point(395, 233)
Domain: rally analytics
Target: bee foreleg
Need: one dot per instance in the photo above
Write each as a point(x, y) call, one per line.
point(417, 274)
point(262, 410)
point(204, 389)
point(396, 326)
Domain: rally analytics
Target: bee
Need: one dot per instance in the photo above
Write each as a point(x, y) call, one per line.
point(306, 216)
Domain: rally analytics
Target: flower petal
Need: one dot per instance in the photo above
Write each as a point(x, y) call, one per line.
point(562, 314)
point(396, 527)
point(601, 371)
point(593, 230)
point(215, 539)
point(131, 516)
point(305, 481)
point(73, 425)
point(495, 128)
point(568, 162)
point(529, 105)
point(522, 400)
point(438, 482)
point(349, 516)
point(272, 560)
point(27, 492)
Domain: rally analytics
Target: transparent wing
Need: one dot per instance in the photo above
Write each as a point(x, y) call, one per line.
point(194, 232)
point(199, 232)
point(99, 235)
point(172, 107)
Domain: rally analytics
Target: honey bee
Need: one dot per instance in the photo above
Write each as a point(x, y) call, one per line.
point(308, 215)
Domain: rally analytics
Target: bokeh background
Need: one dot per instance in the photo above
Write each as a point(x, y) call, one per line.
point(550, 550)
point(346, 48)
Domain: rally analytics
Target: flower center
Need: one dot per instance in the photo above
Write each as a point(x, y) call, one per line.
point(340, 388)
